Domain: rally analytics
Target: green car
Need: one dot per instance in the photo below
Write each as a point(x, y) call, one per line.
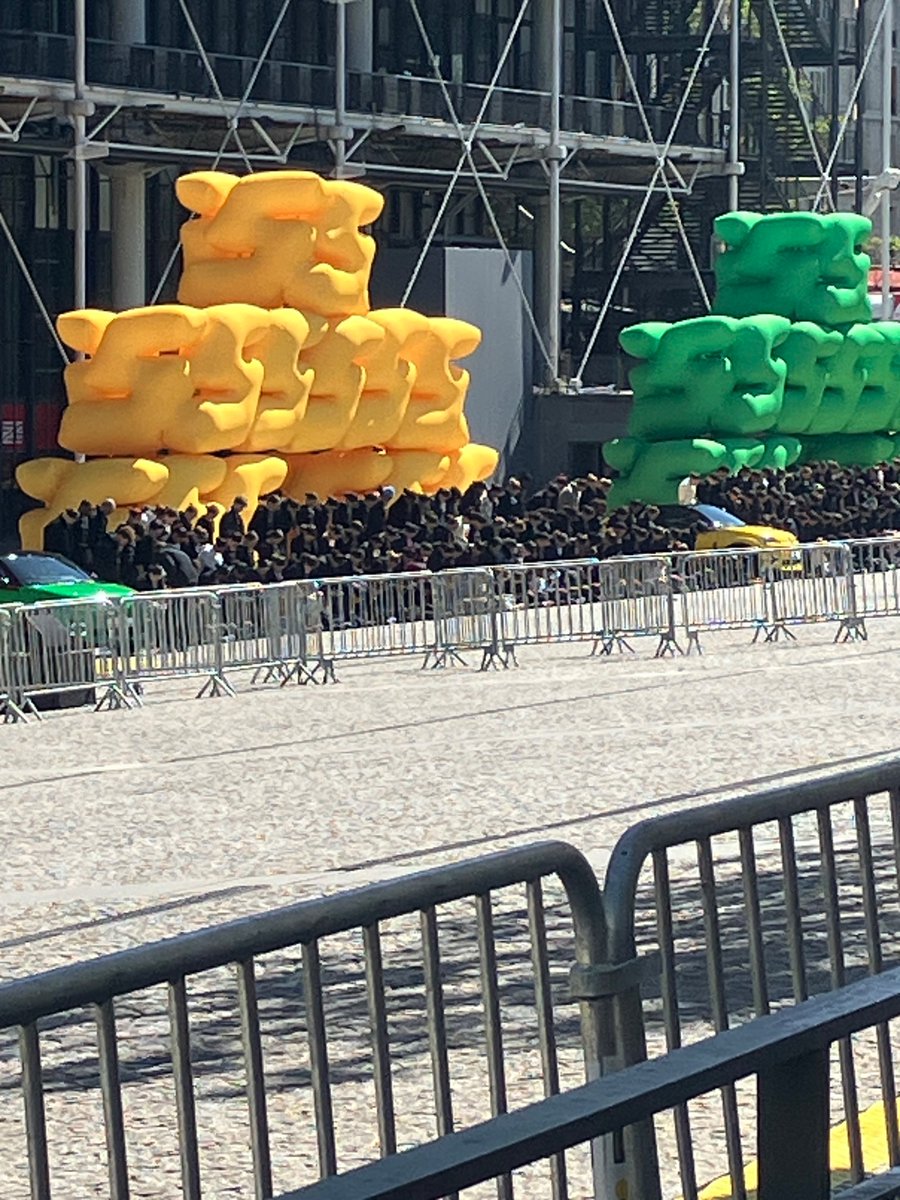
point(29, 576)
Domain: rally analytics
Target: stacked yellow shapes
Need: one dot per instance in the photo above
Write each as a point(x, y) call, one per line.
point(271, 372)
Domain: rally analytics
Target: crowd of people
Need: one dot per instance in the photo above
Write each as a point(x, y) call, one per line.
point(488, 525)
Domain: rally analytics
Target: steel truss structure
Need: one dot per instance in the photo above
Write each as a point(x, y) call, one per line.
point(641, 119)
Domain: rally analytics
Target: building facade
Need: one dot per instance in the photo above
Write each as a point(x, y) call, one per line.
point(524, 110)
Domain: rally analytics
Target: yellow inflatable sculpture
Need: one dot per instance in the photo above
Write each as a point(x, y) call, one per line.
point(191, 478)
point(248, 475)
point(271, 372)
point(472, 464)
point(335, 473)
point(336, 353)
point(389, 379)
point(63, 484)
point(164, 378)
point(277, 238)
point(434, 418)
point(287, 381)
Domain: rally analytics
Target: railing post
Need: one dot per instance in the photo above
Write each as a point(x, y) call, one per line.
point(612, 1022)
point(793, 1135)
point(668, 641)
point(852, 626)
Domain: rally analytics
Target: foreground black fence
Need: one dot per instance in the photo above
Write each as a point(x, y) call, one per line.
point(256, 1056)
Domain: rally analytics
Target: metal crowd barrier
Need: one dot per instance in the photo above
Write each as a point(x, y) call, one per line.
point(171, 635)
point(604, 602)
point(299, 630)
point(788, 1053)
point(465, 618)
point(752, 904)
point(10, 694)
point(275, 631)
point(749, 905)
point(377, 616)
point(64, 648)
point(875, 576)
point(426, 953)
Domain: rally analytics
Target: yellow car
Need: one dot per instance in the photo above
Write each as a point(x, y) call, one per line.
point(715, 529)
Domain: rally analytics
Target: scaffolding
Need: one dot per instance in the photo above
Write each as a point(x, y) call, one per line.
point(636, 127)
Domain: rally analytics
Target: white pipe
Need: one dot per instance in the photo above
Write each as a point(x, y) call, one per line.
point(340, 90)
point(554, 258)
point(734, 97)
point(80, 165)
point(79, 169)
point(887, 63)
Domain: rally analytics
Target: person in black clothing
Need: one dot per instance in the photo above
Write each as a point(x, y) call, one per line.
point(383, 532)
point(59, 535)
point(179, 570)
point(83, 550)
point(270, 517)
point(233, 521)
point(125, 569)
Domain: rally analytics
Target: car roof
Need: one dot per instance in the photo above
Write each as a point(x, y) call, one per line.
point(9, 555)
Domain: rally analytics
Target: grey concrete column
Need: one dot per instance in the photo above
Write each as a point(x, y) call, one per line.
point(547, 264)
point(128, 184)
point(360, 35)
point(544, 293)
point(128, 221)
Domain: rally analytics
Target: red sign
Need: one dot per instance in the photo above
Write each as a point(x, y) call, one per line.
point(46, 427)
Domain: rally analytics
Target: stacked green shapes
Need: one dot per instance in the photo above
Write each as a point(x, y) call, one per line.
point(803, 266)
point(706, 392)
point(790, 366)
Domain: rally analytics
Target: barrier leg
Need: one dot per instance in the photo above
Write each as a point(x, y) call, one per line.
point(668, 640)
point(852, 629)
point(606, 643)
point(216, 685)
point(443, 656)
point(10, 711)
point(497, 656)
point(326, 666)
point(273, 671)
point(668, 645)
point(113, 699)
point(778, 631)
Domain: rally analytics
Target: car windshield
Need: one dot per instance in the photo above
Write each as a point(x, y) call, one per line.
point(33, 570)
point(718, 516)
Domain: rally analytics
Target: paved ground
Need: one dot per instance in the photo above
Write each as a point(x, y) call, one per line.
point(125, 827)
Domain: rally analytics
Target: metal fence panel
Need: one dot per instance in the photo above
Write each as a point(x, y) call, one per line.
point(755, 903)
point(63, 647)
point(430, 978)
point(876, 576)
point(273, 630)
point(10, 663)
point(719, 589)
point(465, 616)
point(815, 587)
point(788, 1054)
point(548, 602)
point(377, 616)
point(172, 635)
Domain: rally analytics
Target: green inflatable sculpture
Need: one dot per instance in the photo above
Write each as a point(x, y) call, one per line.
point(801, 265)
point(807, 353)
point(789, 366)
point(651, 472)
point(850, 449)
point(706, 376)
point(879, 401)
